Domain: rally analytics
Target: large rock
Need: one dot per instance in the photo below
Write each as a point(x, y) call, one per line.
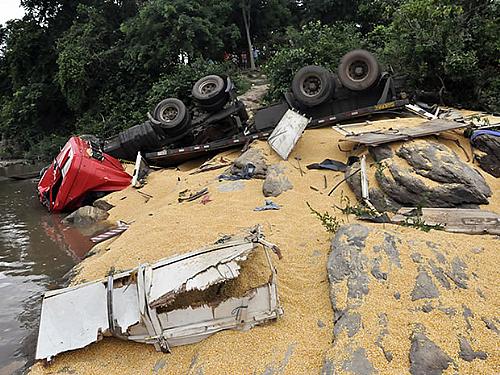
point(422, 173)
point(276, 182)
point(397, 299)
point(490, 160)
point(254, 157)
point(438, 163)
point(426, 358)
point(85, 216)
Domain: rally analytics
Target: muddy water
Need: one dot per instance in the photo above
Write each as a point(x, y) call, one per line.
point(36, 251)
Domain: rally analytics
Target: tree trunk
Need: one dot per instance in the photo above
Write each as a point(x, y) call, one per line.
point(246, 20)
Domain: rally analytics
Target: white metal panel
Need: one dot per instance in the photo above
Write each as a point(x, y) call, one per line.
point(287, 133)
point(125, 307)
point(222, 318)
point(72, 320)
point(184, 317)
point(176, 277)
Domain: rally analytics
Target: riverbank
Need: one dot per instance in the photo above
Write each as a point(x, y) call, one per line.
point(309, 338)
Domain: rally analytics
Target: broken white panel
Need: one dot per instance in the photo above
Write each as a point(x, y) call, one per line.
point(287, 133)
point(126, 307)
point(72, 320)
point(140, 170)
point(190, 325)
point(364, 179)
point(197, 272)
point(77, 316)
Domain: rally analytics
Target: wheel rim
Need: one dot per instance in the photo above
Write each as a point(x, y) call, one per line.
point(311, 86)
point(208, 87)
point(358, 70)
point(169, 114)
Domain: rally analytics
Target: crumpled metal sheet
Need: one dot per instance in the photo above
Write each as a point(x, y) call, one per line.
point(197, 271)
point(77, 316)
point(58, 331)
point(287, 133)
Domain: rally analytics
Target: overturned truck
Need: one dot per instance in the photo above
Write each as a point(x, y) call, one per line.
point(217, 120)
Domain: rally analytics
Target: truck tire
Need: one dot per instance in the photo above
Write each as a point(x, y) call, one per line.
point(358, 70)
point(214, 106)
point(171, 113)
point(210, 90)
point(312, 85)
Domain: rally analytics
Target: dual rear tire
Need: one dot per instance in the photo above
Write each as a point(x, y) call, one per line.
point(314, 85)
point(172, 116)
point(211, 92)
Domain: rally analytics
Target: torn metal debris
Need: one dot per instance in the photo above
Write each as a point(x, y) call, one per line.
point(141, 170)
point(287, 133)
point(150, 304)
point(457, 220)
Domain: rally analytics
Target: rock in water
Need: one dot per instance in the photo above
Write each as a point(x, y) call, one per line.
point(85, 216)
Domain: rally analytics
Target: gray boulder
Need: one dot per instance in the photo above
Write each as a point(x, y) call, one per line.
point(423, 173)
point(438, 163)
point(85, 216)
point(424, 287)
point(276, 182)
point(490, 160)
point(426, 358)
point(254, 157)
point(467, 353)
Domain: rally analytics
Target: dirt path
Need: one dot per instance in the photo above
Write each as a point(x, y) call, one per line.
point(253, 97)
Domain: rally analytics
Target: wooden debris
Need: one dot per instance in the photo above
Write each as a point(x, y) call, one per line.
point(402, 134)
point(456, 220)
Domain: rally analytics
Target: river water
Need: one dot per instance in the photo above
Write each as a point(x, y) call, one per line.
point(36, 251)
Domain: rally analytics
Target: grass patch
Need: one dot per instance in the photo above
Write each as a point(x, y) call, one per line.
point(331, 223)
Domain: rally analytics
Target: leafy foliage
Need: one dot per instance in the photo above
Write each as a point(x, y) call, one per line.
point(331, 223)
point(437, 44)
point(97, 66)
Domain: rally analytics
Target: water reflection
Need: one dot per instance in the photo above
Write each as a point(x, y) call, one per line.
point(36, 250)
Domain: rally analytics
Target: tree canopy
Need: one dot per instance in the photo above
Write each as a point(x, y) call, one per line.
point(97, 66)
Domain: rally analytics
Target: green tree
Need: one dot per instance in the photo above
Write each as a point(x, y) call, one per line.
point(440, 45)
